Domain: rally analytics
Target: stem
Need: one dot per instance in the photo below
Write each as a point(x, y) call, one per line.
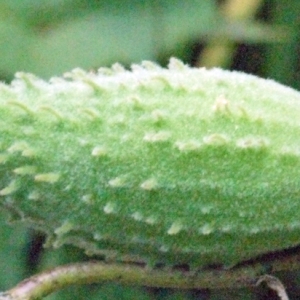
point(219, 50)
point(43, 284)
point(274, 284)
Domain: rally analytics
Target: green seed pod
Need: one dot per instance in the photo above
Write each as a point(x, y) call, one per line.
point(177, 166)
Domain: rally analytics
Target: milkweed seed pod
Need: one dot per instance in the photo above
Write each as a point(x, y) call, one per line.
point(176, 166)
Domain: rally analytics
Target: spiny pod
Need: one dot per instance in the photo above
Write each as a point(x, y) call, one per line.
point(176, 166)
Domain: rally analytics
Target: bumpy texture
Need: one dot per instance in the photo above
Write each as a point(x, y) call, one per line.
point(177, 165)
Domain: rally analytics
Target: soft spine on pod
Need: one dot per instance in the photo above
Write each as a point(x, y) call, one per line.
point(177, 166)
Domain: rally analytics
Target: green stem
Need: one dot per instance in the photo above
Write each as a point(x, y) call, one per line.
point(43, 284)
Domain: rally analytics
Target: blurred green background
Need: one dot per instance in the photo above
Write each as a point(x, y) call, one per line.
point(50, 37)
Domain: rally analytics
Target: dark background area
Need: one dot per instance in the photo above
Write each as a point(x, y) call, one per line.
point(50, 37)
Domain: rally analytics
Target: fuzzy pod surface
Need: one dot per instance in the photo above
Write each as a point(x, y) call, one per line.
point(177, 166)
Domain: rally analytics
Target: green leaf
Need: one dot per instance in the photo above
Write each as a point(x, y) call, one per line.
point(12, 256)
point(98, 34)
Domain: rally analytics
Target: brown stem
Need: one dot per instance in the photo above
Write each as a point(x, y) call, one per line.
point(43, 284)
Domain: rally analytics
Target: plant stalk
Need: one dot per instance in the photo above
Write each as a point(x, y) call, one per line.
point(45, 283)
